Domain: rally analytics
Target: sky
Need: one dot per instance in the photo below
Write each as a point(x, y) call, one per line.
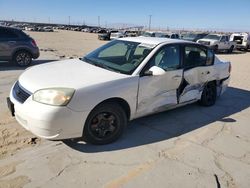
point(176, 14)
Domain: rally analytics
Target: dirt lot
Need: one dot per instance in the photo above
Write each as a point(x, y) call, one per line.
point(192, 146)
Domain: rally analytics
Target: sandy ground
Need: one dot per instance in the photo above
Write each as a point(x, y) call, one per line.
point(191, 146)
point(67, 43)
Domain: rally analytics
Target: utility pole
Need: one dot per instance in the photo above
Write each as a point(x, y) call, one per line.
point(149, 23)
point(49, 20)
point(99, 18)
point(69, 20)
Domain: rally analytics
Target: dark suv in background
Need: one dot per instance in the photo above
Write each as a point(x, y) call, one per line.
point(17, 47)
point(194, 37)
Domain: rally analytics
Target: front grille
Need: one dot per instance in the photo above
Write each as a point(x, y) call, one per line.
point(204, 42)
point(20, 94)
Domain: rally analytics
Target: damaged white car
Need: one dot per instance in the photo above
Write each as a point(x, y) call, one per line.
point(94, 97)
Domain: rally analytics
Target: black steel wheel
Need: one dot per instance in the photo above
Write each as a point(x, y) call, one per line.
point(209, 95)
point(22, 58)
point(105, 124)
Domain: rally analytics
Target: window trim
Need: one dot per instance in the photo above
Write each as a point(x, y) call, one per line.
point(205, 48)
point(146, 66)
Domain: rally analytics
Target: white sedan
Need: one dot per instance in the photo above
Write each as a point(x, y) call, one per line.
point(94, 97)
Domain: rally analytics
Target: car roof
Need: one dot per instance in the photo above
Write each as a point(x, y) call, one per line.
point(154, 40)
point(197, 33)
point(240, 34)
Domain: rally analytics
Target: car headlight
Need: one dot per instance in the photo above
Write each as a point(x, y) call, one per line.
point(54, 96)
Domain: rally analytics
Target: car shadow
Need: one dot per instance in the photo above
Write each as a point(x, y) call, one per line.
point(235, 52)
point(6, 66)
point(170, 124)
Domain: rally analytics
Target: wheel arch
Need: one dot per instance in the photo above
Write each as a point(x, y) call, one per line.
point(20, 50)
point(122, 102)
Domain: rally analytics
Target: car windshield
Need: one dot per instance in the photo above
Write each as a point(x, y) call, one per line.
point(213, 37)
point(189, 36)
point(119, 56)
point(147, 34)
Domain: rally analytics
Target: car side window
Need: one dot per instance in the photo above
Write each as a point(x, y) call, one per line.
point(194, 56)
point(167, 58)
point(223, 39)
point(227, 39)
point(1, 33)
point(4, 33)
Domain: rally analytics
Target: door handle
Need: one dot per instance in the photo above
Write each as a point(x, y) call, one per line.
point(208, 72)
point(12, 42)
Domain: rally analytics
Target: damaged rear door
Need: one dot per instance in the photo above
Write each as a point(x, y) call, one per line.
point(198, 70)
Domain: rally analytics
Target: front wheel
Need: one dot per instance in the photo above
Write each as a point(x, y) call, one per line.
point(209, 95)
point(22, 58)
point(216, 49)
point(105, 124)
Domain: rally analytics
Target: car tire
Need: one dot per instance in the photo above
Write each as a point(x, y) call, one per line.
point(105, 124)
point(230, 50)
point(246, 49)
point(209, 95)
point(22, 58)
point(216, 49)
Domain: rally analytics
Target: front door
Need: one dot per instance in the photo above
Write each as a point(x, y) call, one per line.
point(157, 93)
point(224, 42)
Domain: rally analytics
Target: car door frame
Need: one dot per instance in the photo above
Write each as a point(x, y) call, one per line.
point(205, 69)
point(224, 44)
point(147, 67)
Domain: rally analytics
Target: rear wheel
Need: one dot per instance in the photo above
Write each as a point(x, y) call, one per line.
point(22, 58)
point(231, 49)
point(209, 95)
point(105, 124)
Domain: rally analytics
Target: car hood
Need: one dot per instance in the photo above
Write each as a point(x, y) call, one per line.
point(208, 40)
point(68, 73)
point(189, 39)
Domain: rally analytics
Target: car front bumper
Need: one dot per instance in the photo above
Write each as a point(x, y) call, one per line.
point(46, 121)
point(241, 46)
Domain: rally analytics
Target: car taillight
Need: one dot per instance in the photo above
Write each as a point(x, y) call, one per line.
point(33, 42)
point(230, 68)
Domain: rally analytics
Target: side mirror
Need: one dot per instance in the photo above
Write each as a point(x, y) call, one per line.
point(154, 71)
point(148, 73)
